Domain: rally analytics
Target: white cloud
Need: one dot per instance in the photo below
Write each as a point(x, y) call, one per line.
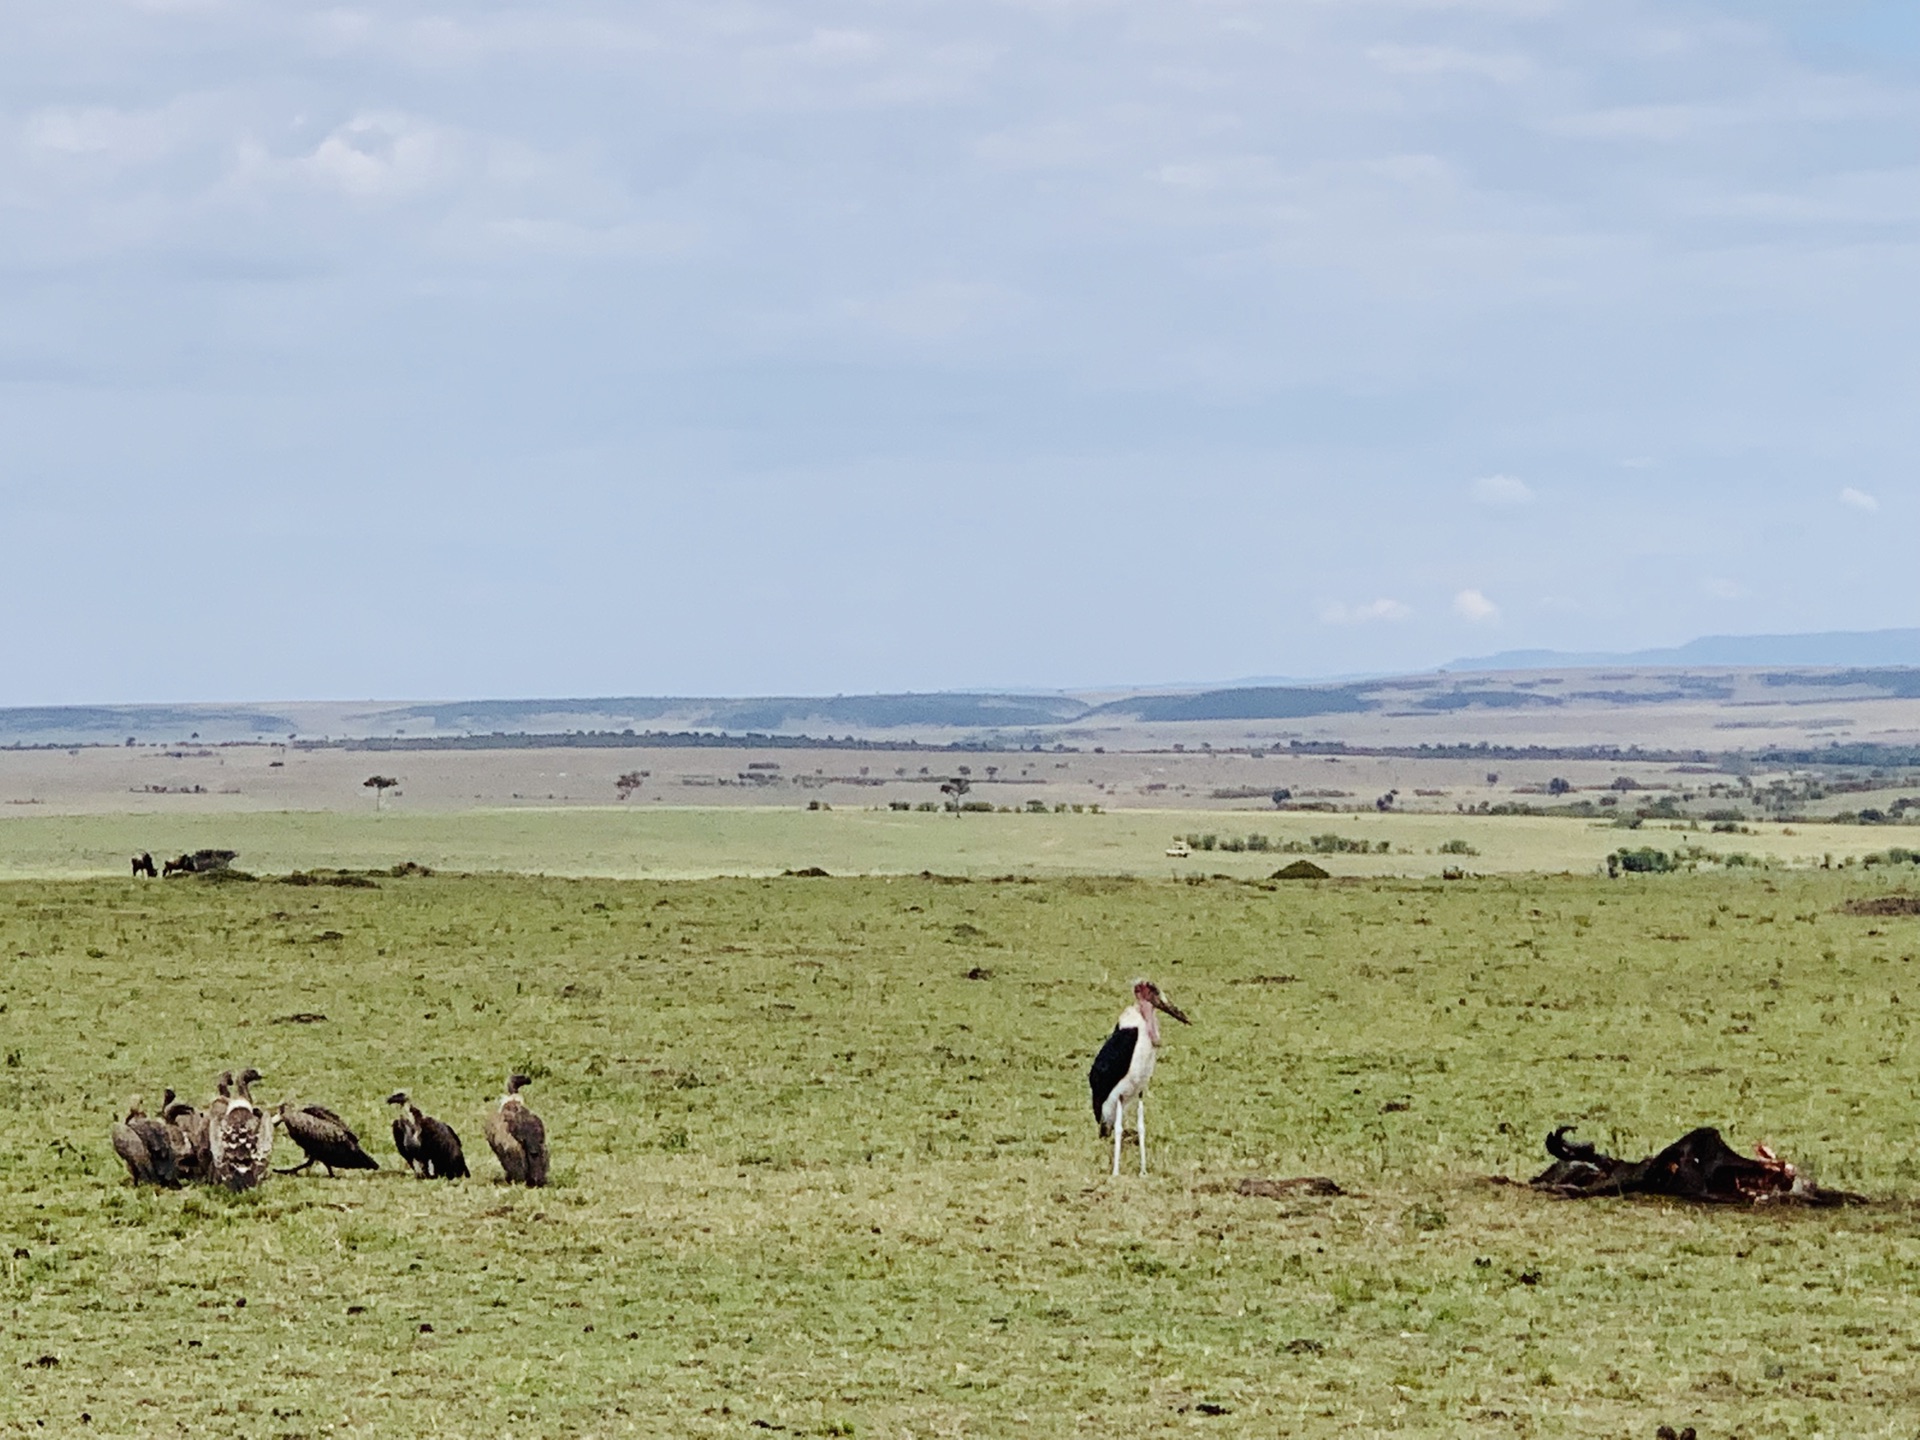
point(1474, 606)
point(1859, 500)
point(112, 136)
point(571, 240)
point(1642, 122)
point(1502, 490)
point(1381, 609)
point(378, 156)
point(1450, 60)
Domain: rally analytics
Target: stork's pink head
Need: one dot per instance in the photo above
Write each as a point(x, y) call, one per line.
point(1149, 997)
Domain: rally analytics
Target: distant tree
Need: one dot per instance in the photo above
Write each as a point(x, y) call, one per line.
point(1281, 796)
point(1557, 786)
point(630, 782)
point(379, 784)
point(956, 791)
point(1493, 777)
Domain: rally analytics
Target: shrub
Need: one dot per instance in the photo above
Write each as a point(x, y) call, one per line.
point(1897, 855)
point(1457, 847)
point(1644, 861)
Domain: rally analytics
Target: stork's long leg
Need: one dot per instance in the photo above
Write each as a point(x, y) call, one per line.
point(1140, 1114)
point(1119, 1129)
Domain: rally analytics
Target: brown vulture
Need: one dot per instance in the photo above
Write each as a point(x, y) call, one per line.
point(324, 1138)
point(144, 1144)
point(187, 1130)
point(429, 1146)
point(518, 1138)
point(241, 1138)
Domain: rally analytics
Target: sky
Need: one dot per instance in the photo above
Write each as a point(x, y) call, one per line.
point(734, 348)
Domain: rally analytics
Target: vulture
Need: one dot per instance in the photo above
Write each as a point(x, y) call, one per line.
point(518, 1138)
point(325, 1139)
point(209, 1120)
point(240, 1136)
point(429, 1146)
point(143, 1143)
point(187, 1130)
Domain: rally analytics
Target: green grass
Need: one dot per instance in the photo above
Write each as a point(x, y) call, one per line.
point(809, 1173)
point(661, 842)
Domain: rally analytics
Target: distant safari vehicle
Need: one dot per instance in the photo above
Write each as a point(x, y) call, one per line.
point(1178, 850)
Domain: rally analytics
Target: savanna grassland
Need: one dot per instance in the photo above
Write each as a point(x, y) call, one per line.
point(824, 1162)
point(673, 843)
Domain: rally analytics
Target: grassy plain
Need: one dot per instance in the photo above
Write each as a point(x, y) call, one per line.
point(824, 1162)
point(663, 842)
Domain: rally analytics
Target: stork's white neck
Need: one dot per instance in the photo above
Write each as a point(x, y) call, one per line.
point(1150, 1022)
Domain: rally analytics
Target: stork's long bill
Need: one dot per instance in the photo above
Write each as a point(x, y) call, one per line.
point(1147, 996)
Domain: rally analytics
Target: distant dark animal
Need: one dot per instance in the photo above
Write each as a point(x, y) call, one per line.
point(199, 862)
point(143, 1143)
point(143, 865)
point(1698, 1166)
point(324, 1138)
point(1125, 1064)
point(429, 1146)
point(242, 1138)
point(518, 1138)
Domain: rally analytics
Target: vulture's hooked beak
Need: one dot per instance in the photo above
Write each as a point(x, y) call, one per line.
point(399, 1097)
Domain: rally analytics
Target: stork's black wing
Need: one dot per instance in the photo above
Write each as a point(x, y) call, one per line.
point(1110, 1066)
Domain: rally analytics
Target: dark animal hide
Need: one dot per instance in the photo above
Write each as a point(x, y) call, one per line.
point(1699, 1166)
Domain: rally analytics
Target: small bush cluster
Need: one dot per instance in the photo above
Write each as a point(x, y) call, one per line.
point(1257, 843)
point(1334, 845)
point(1894, 855)
point(1644, 861)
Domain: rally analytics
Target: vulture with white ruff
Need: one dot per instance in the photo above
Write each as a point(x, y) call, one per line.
point(429, 1146)
point(518, 1138)
point(241, 1137)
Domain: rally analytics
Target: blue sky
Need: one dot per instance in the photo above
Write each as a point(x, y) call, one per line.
point(726, 347)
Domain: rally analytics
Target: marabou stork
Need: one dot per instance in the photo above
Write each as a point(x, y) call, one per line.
point(1125, 1063)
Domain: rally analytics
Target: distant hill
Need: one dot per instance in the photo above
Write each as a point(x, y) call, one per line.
point(1242, 702)
point(1849, 648)
point(1765, 687)
point(768, 714)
